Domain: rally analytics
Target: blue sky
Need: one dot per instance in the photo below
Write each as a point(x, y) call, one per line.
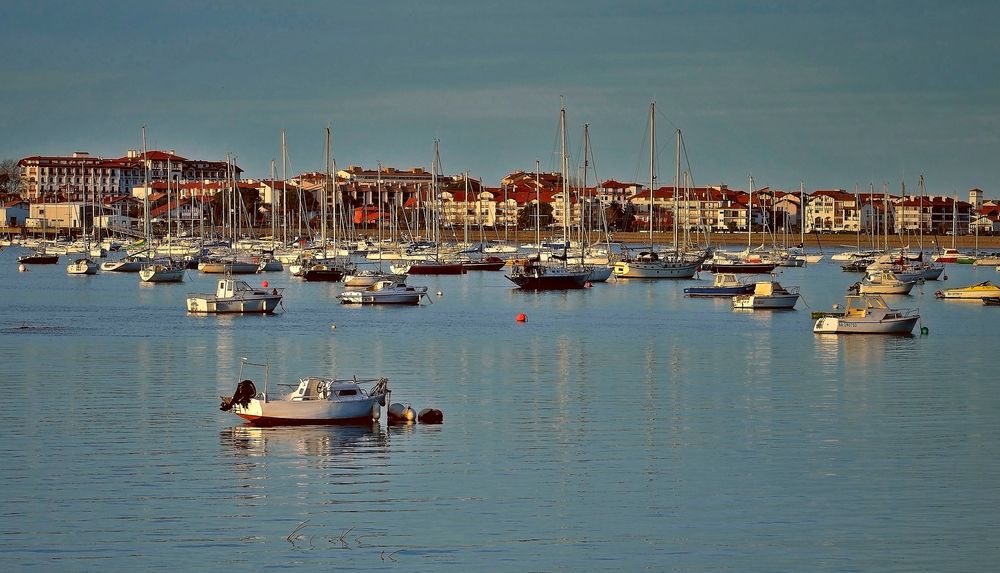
point(830, 93)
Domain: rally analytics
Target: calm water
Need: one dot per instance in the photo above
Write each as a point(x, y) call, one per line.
point(621, 428)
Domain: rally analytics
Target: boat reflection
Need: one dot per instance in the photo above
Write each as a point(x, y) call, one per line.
point(323, 441)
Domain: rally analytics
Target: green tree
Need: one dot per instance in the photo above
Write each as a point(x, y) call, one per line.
point(10, 178)
point(526, 218)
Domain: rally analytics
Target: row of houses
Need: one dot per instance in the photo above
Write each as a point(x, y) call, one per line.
point(55, 190)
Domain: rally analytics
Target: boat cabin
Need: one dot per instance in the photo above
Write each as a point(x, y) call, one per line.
point(313, 388)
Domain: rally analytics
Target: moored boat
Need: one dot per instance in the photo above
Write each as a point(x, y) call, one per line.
point(39, 258)
point(315, 400)
point(532, 274)
point(768, 295)
point(82, 266)
point(163, 271)
point(386, 291)
point(978, 290)
point(882, 282)
point(868, 314)
point(724, 284)
point(235, 296)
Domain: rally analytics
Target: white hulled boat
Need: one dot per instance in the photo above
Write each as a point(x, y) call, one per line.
point(868, 314)
point(235, 296)
point(384, 292)
point(315, 400)
point(768, 295)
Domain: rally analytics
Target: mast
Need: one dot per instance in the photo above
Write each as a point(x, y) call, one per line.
point(538, 213)
point(145, 196)
point(326, 186)
point(652, 167)
point(677, 184)
point(750, 214)
point(565, 174)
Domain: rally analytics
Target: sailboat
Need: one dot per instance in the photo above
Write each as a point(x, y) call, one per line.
point(84, 265)
point(328, 269)
point(650, 264)
point(163, 270)
point(436, 264)
point(532, 273)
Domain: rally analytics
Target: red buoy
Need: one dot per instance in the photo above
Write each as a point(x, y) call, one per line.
point(522, 318)
point(263, 284)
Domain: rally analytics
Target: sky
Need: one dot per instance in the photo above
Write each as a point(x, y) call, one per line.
point(830, 93)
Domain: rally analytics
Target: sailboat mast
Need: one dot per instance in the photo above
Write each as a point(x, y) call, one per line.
point(538, 213)
point(326, 187)
point(565, 174)
point(677, 184)
point(652, 167)
point(145, 196)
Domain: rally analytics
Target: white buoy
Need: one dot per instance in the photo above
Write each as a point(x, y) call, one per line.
point(439, 293)
point(22, 268)
point(333, 327)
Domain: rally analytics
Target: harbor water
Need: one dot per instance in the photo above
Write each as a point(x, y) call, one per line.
point(622, 427)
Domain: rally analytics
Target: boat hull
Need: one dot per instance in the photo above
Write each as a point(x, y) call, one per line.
point(839, 325)
point(38, 259)
point(549, 282)
point(437, 269)
point(292, 412)
point(718, 291)
point(639, 270)
point(212, 304)
point(775, 302)
point(162, 275)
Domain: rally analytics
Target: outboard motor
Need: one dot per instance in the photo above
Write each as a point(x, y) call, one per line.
point(245, 390)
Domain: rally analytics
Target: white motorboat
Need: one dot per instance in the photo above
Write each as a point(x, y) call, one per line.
point(868, 314)
point(384, 292)
point(768, 295)
point(315, 400)
point(235, 296)
point(977, 291)
point(882, 282)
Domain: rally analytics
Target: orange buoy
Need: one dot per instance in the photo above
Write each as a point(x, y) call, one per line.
point(263, 284)
point(522, 318)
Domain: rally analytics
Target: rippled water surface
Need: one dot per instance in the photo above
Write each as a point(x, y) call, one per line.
point(620, 428)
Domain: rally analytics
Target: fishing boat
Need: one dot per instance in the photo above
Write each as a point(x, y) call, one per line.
point(768, 295)
point(235, 296)
point(978, 290)
point(384, 292)
point(882, 281)
point(724, 284)
point(39, 258)
point(868, 314)
point(315, 400)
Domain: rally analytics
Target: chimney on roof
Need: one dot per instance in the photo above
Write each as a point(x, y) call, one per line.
point(132, 154)
point(80, 154)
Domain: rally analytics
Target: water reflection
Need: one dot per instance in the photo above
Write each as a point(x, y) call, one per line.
point(334, 440)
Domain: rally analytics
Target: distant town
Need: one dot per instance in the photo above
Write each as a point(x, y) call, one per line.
point(64, 194)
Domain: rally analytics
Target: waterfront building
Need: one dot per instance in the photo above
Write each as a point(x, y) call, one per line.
point(80, 175)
